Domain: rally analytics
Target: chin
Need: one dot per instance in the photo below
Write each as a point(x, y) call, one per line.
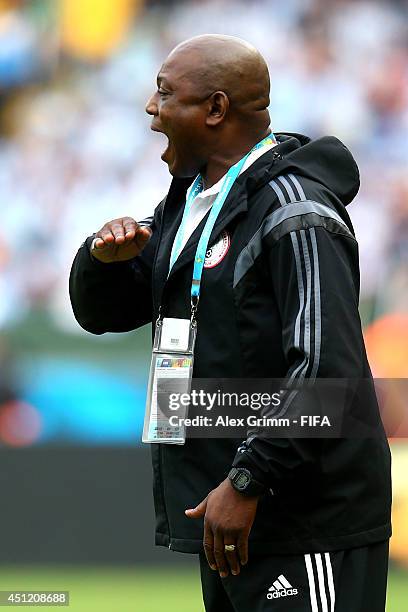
point(182, 173)
point(179, 170)
point(173, 171)
point(172, 167)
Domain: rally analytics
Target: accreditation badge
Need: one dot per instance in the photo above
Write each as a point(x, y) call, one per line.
point(171, 371)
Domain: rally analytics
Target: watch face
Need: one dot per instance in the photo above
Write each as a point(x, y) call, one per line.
point(242, 480)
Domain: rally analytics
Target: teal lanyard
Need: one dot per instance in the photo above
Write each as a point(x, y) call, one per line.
point(218, 203)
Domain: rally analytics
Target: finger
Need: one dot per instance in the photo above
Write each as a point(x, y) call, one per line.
point(118, 231)
point(198, 511)
point(99, 244)
point(219, 555)
point(106, 235)
point(129, 234)
point(208, 545)
point(232, 556)
point(143, 235)
point(242, 547)
point(130, 226)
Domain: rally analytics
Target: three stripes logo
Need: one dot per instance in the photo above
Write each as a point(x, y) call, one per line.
point(281, 588)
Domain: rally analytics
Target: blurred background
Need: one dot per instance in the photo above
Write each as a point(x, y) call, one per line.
point(75, 151)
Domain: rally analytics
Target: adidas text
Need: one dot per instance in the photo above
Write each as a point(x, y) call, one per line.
point(284, 593)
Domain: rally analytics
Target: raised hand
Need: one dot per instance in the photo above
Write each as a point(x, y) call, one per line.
point(120, 240)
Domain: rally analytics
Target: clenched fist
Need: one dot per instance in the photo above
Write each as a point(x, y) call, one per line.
point(120, 240)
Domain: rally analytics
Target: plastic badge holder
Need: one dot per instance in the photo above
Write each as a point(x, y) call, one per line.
point(170, 375)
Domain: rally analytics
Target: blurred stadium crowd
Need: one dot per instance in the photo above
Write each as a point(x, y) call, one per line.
point(76, 149)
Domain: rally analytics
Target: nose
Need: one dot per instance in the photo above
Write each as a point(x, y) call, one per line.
point(151, 105)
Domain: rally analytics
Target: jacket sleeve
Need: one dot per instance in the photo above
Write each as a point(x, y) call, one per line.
point(115, 297)
point(315, 282)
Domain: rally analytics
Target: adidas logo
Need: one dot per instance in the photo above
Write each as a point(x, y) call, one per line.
point(281, 588)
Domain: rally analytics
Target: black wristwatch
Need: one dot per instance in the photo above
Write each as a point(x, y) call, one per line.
point(242, 481)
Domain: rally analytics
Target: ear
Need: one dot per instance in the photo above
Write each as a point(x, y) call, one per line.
point(218, 105)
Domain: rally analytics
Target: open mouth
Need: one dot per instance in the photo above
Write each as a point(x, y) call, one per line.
point(166, 151)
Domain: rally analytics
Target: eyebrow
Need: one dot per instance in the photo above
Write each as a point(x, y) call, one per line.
point(162, 80)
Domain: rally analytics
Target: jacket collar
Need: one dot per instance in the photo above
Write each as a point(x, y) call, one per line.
point(254, 177)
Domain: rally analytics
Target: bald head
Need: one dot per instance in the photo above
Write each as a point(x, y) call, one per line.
point(224, 63)
point(212, 103)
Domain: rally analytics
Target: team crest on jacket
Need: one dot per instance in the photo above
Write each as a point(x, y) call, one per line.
point(218, 251)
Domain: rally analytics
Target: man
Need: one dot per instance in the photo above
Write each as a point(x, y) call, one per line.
point(278, 299)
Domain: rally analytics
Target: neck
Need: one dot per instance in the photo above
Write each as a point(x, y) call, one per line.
point(220, 162)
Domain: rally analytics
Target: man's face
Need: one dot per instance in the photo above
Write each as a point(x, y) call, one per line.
point(179, 111)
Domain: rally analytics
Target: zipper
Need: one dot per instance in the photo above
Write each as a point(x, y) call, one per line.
point(157, 250)
point(160, 462)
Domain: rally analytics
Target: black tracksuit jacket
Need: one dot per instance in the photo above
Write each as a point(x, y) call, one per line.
point(283, 300)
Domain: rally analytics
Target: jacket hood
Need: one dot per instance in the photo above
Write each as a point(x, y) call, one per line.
point(325, 160)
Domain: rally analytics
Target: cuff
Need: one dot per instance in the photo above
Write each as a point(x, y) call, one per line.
point(88, 244)
point(244, 459)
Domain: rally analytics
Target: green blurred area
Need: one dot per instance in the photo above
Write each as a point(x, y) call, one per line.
point(37, 335)
point(127, 589)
